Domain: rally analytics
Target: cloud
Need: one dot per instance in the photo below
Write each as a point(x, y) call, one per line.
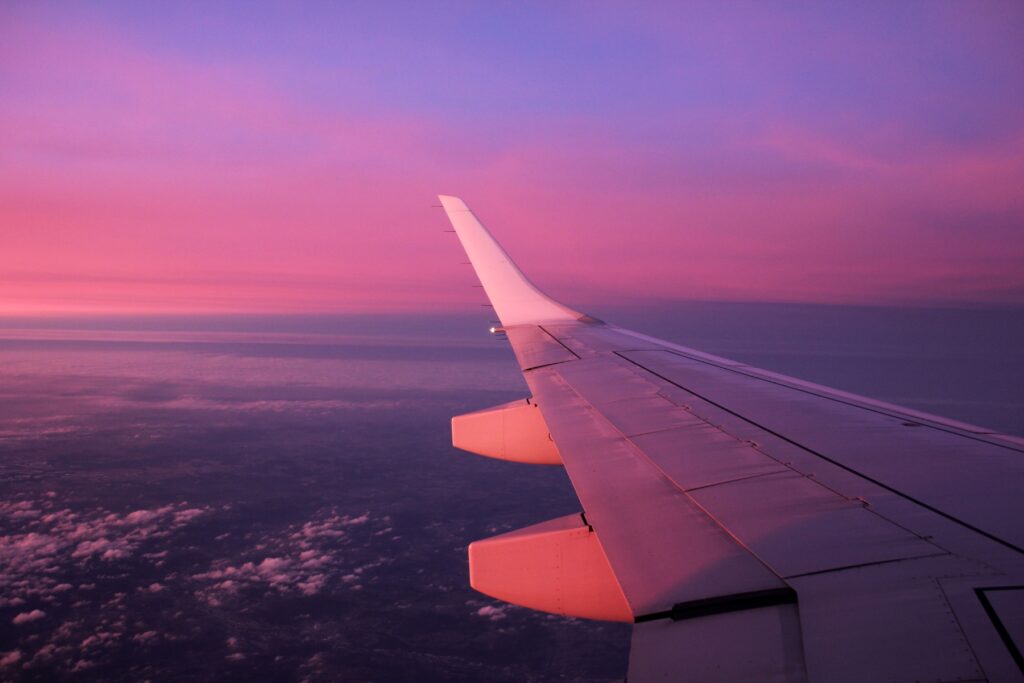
point(51, 541)
point(10, 658)
point(145, 637)
point(26, 617)
point(305, 559)
point(186, 516)
point(313, 584)
point(492, 612)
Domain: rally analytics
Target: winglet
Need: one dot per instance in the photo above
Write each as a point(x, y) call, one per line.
point(515, 299)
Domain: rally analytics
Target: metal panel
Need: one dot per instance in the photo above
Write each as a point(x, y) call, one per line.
point(599, 339)
point(888, 623)
point(752, 645)
point(931, 464)
point(792, 523)
point(700, 455)
point(607, 378)
point(1007, 613)
point(646, 414)
point(797, 526)
point(534, 347)
point(993, 632)
point(663, 548)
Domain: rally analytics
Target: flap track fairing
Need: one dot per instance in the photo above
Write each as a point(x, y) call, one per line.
point(513, 431)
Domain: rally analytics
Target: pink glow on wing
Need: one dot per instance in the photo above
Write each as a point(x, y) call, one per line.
point(138, 174)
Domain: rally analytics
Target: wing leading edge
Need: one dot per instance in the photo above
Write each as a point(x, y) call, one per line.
point(751, 526)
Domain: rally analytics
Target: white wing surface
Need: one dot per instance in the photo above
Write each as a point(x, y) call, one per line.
point(752, 526)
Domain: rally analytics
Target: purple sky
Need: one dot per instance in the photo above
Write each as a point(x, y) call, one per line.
point(183, 157)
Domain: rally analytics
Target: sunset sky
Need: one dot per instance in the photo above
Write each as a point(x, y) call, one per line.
point(275, 157)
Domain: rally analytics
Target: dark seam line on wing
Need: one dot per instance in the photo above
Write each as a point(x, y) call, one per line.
point(790, 468)
point(862, 565)
point(655, 431)
point(703, 487)
point(990, 610)
point(547, 365)
point(723, 604)
point(902, 416)
point(874, 481)
point(960, 625)
point(560, 343)
point(659, 472)
point(784, 465)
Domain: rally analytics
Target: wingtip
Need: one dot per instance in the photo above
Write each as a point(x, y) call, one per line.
point(515, 299)
point(452, 203)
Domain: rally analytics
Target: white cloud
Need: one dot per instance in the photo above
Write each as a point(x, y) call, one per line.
point(144, 637)
point(492, 612)
point(361, 519)
point(26, 617)
point(306, 559)
point(9, 658)
point(50, 541)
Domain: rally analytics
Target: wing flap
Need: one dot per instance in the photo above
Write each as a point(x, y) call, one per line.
point(762, 644)
point(889, 622)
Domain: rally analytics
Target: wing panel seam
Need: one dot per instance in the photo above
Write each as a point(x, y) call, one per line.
point(722, 604)
point(962, 433)
point(824, 457)
point(560, 343)
point(660, 472)
point(863, 565)
point(1000, 627)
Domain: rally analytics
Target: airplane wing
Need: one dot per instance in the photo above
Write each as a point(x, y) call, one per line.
point(752, 526)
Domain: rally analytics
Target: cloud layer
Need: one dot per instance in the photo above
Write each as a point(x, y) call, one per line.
point(81, 587)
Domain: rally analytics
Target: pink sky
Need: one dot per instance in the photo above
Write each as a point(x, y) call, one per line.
point(162, 159)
